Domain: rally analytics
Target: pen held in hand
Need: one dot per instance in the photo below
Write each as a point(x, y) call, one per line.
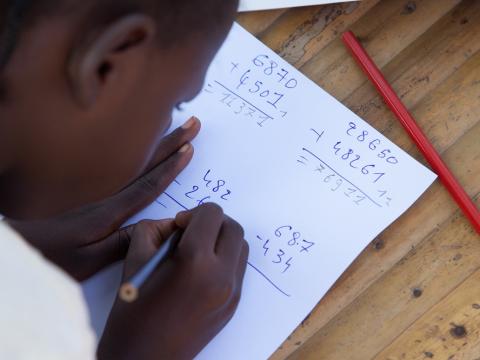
point(129, 291)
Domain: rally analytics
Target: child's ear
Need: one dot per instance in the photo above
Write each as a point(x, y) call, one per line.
point(110, 54)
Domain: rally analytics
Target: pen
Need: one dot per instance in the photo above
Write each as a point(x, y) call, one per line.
point(410, 125)
point(129, 291)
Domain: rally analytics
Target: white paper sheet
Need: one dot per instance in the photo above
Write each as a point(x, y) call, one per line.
point(311, 183)
point(253, 5)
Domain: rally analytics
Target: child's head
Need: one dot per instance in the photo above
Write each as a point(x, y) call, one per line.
point(87, 88)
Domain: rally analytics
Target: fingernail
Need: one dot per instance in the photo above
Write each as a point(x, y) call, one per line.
point(185, 148)
point(190, 123)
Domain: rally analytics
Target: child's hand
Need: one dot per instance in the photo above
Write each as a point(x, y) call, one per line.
point(189, 298)
point(85, 240)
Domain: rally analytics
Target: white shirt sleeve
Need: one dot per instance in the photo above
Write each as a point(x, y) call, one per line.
point(43, 315)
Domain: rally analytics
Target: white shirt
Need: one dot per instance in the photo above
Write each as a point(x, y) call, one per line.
point(43, 315)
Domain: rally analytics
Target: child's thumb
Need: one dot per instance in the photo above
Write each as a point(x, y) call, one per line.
point(145, 239)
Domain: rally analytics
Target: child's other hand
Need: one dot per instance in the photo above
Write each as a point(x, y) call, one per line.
point(85, 240)
point(189, 298)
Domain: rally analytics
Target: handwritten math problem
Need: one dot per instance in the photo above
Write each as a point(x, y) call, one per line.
point(335, 181)
point(310, 182)
point(251, 80)
point(210, 188)
point(279, 246)
point(236, 104)
point(260, 87)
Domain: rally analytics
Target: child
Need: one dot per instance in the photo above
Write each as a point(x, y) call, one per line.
point(86, 93)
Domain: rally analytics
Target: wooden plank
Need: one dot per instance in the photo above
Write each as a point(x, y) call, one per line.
point(377, 259)
point(388, 307)
point(420, 221)
point(430, 52)
point(304, 32)
point(450, 330)
point(334, 52)
point(259, 21)
point(281, 30)
point(336, 71)
point(420, 69)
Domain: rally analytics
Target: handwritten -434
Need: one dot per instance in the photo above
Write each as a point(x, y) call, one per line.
point(283, 245)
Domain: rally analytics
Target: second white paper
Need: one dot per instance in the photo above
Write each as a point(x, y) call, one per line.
point(253, 5)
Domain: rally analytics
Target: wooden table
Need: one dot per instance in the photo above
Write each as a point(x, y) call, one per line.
point(414, 293)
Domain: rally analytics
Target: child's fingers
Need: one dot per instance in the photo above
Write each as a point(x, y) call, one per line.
point(113, 212)
point(106, 216)
point(183, 218)
point(172, 156)
point(242, 264)
point(174, 141)
point(98, 255)
point(135, 243)
point(201, 233)
point(230, 235)
point(240, 271)
point(81, 227)
point(230, 241)
point(146, 238)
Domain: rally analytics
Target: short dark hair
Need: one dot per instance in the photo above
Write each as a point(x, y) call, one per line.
point(176, 18)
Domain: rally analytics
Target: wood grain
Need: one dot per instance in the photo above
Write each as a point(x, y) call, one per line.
point(417, 281)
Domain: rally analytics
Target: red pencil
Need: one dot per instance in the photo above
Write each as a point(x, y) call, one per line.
point(409, 123)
